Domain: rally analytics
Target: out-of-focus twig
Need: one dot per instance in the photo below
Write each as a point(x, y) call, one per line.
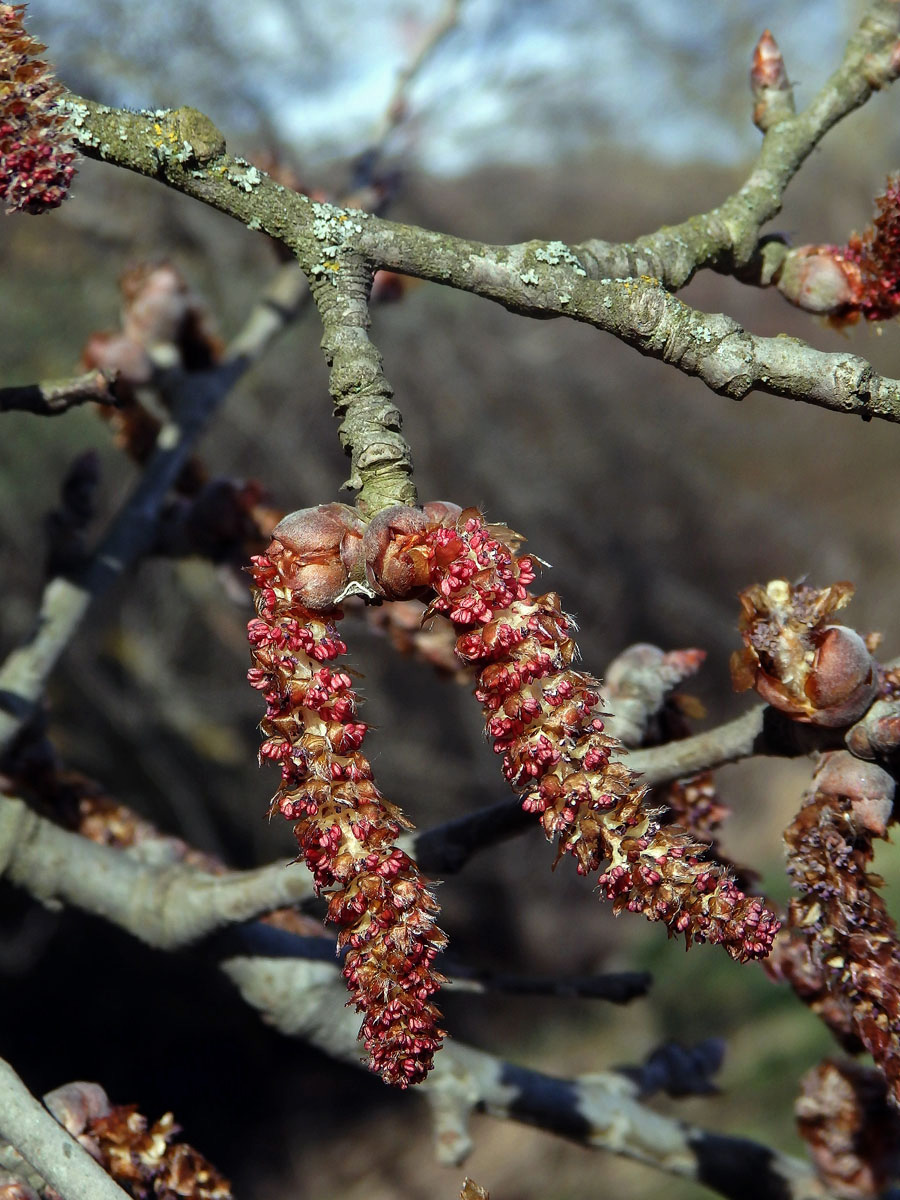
point(396, 109)
point(601, 1111)
point(619, 987)
point(193, 399)
point(52, 397)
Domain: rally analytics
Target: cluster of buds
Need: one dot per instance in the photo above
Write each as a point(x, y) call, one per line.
point(543, 718)
point(797, 660)
point(345, 829)
point(145, 1159)
point(861, 279)
point(35, 155)
point(848, 941)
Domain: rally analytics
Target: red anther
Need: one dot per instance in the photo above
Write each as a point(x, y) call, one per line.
point(595, 759)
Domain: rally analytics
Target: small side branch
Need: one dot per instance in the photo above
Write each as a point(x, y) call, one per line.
point(726, 237)
point(381, 460)
point(57, 1157)
point(396, 108)
point(52, 397)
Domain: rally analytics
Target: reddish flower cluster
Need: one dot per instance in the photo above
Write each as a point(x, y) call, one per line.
point(35, 157)
point(542, 717)
point(345, 829)
point(851, 1132)
point(845, 956)
point(877, 254)
point(145, 1159)
point(149, 1162)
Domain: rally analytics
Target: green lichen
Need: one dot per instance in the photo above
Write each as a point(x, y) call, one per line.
point(557, 252)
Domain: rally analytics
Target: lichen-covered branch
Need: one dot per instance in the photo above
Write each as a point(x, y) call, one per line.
point(369, 429)
point(726, 237)
point(52, 397)
point(542, 279)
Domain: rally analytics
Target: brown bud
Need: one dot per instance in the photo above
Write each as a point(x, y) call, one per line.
point(869, 789)
point(878, 733)
point(814, 672)
point(441, 512)
point(310, 546)
point(391, 570)
point(843, 680)
point(116, 352)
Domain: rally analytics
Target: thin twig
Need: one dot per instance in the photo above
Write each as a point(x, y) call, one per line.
point(445, 849)
point(52, 397)
point(193, 398)
point(618, 987)
point(396, 107)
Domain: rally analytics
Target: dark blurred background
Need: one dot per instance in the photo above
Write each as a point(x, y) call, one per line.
point(654, 500)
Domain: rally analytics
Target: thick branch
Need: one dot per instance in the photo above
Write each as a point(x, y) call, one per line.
point(535, 279)
point(54, 1153)
point(52, 397)
point(164, 907)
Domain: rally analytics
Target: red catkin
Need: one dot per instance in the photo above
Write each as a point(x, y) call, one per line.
point(345, 829)
point(35, 155)
point(543, 719)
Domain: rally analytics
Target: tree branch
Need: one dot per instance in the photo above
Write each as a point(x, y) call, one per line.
point(166, 907)
point(601, 1111)
point(193, 398)
point(396, 107)
point(52, 397)
point(726, 237)
point(380, 458)
point(541, 279)
point(175, 905)
point(445, 849)
point(54, 1153)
